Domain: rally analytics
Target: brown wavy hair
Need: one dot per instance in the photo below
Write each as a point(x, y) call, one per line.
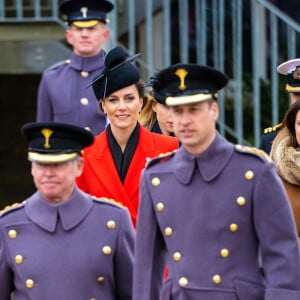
point(289, 122)
point(147, 116)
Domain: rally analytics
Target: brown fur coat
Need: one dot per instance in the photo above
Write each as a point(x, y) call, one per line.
point(287, 162)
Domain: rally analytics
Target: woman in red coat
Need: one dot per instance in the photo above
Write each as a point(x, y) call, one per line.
point(113, 164)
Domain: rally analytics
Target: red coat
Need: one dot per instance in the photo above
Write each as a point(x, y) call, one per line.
point(100, 177)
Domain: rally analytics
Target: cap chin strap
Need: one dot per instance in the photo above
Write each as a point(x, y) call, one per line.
point(51, 158)
point(190, 99)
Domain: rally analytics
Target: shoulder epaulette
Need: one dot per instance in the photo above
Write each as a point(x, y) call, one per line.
point(108, 201)
point(58, 64)
point(10, 208)
point(252, 150)
point(160, 158)
point(272, 129)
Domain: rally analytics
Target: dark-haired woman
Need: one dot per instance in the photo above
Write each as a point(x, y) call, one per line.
point(285, 152)
point(113, 164)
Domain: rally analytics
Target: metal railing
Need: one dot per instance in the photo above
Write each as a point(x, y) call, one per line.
point(29, 11)
point(245, 39)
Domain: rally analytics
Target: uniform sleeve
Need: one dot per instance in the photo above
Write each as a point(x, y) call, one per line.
point(6, 278)
point(124, 258)
point(276, 230)
point(44, 106)
point(149, 251)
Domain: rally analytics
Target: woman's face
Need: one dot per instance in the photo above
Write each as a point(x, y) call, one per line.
point(164, 117)
point(297, 127)
point(122, 107)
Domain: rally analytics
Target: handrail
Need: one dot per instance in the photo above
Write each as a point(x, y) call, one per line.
point(281, 15)
point(219, 40)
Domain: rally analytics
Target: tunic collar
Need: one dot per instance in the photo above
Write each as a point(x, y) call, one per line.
point(210, 163)
point(70, 213)
point(88, 64)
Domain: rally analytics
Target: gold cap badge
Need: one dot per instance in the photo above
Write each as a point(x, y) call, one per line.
point(47, 133)
point(181, 73)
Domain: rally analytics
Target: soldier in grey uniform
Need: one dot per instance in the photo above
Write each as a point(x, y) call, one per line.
point(214, 213)
point(63, 95)
point(61, 243)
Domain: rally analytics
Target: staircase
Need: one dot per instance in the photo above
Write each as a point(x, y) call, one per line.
point(246, 39)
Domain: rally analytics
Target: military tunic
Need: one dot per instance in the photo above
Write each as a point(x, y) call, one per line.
point(81, 249)
point(209, 218)
point(268, 137)
point(63, 95)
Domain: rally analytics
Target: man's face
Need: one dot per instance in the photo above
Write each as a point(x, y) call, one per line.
point(87, 41)
point(56, 181)
point(194, 125)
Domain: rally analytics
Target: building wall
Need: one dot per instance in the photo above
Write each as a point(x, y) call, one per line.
point(17, 106)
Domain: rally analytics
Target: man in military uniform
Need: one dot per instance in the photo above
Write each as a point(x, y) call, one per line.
point(216, 214)
point(291, 69)
point(63, 95)
point(61, 243)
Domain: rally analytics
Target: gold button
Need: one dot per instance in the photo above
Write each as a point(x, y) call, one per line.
point(224, 253)
point(106, 250)
point(233, 227)
point(87, 128)
point(12, 234)
point(217, 279)
point(241, 201)
point(168, 231)
point(249, 175)
point(160, 206)
point(100, 279)
point(84, 101)
point(155, 181)
point(18, 259)
point(183, 281)
point(84, 74)
point(29, 283)
point(111, 224)
point(177, 256)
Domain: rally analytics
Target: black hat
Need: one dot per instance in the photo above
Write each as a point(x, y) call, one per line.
point(51, 142)
point(118, 73)
point(86, 13)
point(157, 90)
point(291, 69)
point(187, 83)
